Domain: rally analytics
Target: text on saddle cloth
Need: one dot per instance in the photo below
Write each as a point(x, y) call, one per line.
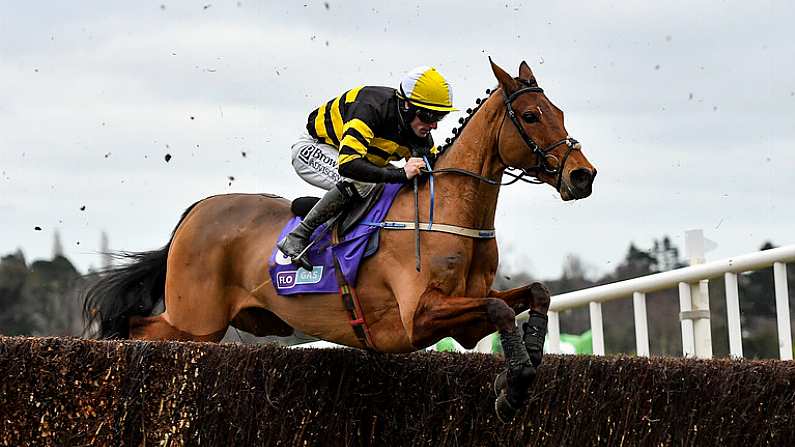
point(289, 279)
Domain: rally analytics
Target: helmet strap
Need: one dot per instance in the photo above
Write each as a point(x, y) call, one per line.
point(406, 112)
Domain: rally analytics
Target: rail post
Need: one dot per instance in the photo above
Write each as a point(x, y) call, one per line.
point(782, 311)
point(694, 305)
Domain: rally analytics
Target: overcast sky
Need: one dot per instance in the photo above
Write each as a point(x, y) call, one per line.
point(686, 108)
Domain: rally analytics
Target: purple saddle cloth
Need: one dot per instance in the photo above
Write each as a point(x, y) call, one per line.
point(289, 279)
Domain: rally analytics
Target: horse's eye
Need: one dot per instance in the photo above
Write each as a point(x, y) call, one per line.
point(530, 117)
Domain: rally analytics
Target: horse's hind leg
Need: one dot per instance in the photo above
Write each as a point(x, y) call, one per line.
point(157, 328)
point(197, 298)
point(197, 308)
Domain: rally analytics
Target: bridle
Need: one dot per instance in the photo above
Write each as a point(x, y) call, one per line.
point(542, 155)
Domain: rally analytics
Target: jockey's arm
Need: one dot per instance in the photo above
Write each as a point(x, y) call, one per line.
point(356, 138)
point(362, 170)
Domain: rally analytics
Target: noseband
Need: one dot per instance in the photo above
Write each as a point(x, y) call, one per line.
point(542, 155)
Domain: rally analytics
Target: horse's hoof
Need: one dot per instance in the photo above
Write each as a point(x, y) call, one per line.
point(501, 383)
point(505, 411)
point(536, 357)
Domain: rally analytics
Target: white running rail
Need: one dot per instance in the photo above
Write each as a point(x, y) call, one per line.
point(693, 303)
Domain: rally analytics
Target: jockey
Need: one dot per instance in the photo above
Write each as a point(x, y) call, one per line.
point(351, 140)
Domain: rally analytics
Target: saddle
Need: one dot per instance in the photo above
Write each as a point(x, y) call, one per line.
point(348, 219)
point(343, 253)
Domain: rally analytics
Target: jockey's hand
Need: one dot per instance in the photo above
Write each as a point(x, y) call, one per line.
point(413, 166)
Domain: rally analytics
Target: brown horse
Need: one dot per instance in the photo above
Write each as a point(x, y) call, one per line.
point(214, 270)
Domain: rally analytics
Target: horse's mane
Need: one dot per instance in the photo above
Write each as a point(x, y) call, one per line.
point(448, 142)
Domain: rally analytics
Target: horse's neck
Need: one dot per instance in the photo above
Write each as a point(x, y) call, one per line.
point(465, 200)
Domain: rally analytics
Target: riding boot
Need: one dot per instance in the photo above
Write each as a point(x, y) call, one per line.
point(295, 244)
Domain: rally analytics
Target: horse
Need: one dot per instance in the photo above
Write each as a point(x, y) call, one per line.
point(213, 272)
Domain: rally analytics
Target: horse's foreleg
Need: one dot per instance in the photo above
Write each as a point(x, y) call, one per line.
point(440, 314)
point(533, 296)
point(536, 297)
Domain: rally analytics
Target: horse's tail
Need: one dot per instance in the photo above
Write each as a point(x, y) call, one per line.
point(134, 288)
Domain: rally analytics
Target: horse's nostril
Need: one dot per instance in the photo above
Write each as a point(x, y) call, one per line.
point(581, 178)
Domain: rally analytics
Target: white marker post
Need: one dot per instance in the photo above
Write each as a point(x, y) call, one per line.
point(694, 315)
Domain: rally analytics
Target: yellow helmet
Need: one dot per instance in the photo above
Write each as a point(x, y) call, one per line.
point(426, 88)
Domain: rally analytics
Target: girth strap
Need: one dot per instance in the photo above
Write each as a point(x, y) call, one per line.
point(442, 228)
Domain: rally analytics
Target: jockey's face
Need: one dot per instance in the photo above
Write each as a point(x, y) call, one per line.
point(421, 128)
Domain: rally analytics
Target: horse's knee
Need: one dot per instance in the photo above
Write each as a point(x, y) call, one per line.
point(500, 314)
point(541, 297)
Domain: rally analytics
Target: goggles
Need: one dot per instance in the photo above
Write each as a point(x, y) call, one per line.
point(430, 116)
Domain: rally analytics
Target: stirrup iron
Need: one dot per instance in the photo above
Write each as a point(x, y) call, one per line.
point(302, 259)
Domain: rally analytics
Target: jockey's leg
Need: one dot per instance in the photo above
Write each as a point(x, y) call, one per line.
point(316, 163)
point(296, 243)
point(536, 297)
point(438, 314)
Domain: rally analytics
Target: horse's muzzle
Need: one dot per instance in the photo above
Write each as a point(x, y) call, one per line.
point(579, 184)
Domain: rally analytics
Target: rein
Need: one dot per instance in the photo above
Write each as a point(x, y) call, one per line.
point(482, 178)
point(542, 155)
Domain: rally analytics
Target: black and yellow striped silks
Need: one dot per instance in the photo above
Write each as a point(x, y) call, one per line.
point(364, 123)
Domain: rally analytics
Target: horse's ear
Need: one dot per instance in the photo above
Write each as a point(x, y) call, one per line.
point(526, 73)
point(506, 81)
